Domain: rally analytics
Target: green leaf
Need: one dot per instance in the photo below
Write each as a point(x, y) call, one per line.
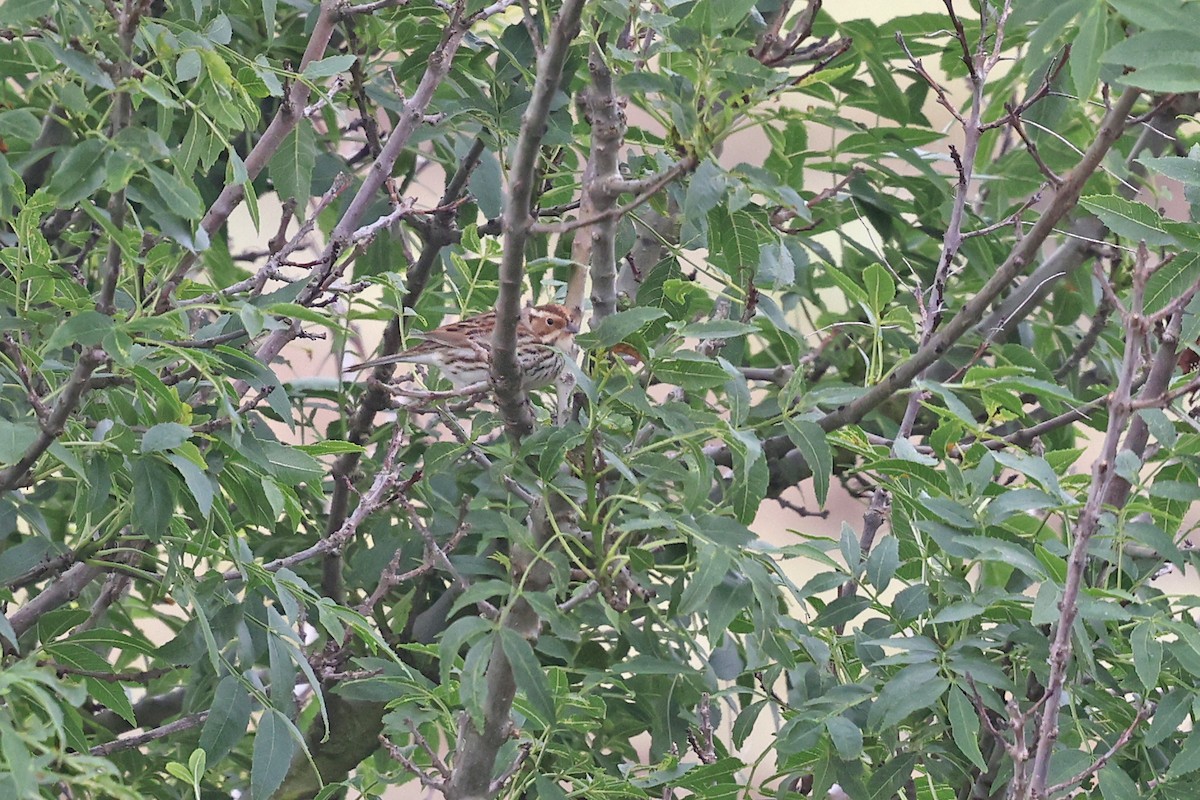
point(689, 371)
point(14, 12)
point(1185, 170)
point(8, 633)
point(530, 677)
point(112, 696)
point(751, 477)
point(881, 288)
point(328, 67)
point(1116, 785)
point(617, 327)
point(291, 465)
point(196, 480)
point(273, 749)
point(883, 562)
point(86, 328)
point(153, 498)
point(228, 720)
point(847, 738)
point(964, 726)
point(268, 7)
point(1171, 281)
point(712, 564)
point(1089, 43)
point(187, 66)
point(734, 241)
point(80, 173)
point(1131, 220)
point(810, 439)
point(291, 167)
point(1147, 654)
point(1188, 759)
point(181, 198)
point(912, 689)
point(1174, 77)
point(15, 439)
point(165, 436)
point(1169, 714)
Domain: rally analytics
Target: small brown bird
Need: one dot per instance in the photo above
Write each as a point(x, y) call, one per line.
point(463, 350)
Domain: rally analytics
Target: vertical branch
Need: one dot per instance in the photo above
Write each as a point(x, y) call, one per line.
point(476, 750)
point(440, 233)
point(597, 246)
point(507, 373)
point(1120, 410)
point(978, 68)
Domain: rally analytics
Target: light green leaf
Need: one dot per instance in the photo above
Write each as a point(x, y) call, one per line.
point(328, 67)
point(165, 436)
point(881, 288)
point(690, 371)
point(196, 480)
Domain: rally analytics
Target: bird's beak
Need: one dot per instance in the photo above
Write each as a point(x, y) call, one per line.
point(572, 327)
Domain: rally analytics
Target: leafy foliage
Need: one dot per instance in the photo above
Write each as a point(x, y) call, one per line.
point(290, 590)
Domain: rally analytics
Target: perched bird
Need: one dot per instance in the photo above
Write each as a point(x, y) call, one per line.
point(463, 350)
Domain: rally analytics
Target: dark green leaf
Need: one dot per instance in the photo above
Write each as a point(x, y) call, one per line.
point(617, 327)
point(273, 749)
point(228, 720)
point(964, 726)
point(846, 736)
point(153, 497)
point(291, 167)
point(883, 562)
point(1116, 785)
point(528, 672)
point(1129, 219)
point(810, 439)
point(1169, 715)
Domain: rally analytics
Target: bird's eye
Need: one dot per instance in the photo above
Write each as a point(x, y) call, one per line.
point(552, 322)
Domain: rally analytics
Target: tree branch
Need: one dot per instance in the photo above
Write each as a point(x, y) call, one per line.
point(1064, 199)
point(507, 373)
point(290, 112)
